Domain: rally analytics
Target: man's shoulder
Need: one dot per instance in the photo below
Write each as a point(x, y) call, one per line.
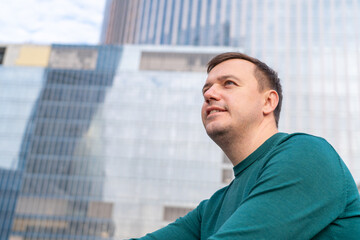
point(309, 161)
point(304, 143)
point(300, 137)
point(306, 152)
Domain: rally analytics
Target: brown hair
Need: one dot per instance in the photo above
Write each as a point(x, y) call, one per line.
point(266, 76)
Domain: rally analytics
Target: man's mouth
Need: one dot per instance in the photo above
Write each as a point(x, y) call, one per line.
point(214, 111)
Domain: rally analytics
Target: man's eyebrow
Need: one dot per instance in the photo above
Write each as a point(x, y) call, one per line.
point(224, 77)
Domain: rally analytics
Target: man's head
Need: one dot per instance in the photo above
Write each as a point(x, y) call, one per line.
point(266, 77)
point(239, 93)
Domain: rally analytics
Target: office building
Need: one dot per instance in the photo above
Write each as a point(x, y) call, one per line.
point(49, 98)
point(102, 135)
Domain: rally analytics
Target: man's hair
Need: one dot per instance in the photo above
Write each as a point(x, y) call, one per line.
point(266, 76)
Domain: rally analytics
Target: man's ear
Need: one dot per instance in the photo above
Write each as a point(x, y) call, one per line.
point(271, 99)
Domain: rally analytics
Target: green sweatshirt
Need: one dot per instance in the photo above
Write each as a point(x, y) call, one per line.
point(294, 186)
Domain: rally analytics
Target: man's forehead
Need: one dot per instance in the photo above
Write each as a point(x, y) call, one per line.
point(231, 68)
point(232, 62)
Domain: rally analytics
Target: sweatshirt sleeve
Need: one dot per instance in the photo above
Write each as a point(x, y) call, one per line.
point(299, 191)
point(184, 228)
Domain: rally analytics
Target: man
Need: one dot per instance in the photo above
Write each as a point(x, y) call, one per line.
point(286, 186)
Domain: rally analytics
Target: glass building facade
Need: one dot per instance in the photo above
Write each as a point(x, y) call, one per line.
point(101, 136)
point(10, 181)
point(46, 114)
point(160, 163)
point(258, 26)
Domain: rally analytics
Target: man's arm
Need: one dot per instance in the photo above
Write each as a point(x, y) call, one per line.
point(298, 193)
point(187, 227)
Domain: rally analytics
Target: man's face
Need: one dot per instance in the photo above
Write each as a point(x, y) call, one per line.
point(232, 101)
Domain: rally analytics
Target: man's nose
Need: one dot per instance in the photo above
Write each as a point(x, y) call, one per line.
point(211, 94)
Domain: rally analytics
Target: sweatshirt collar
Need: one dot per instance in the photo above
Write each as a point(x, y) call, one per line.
point(259, 152)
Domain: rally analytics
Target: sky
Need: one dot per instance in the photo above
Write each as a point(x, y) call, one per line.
point(51, 21)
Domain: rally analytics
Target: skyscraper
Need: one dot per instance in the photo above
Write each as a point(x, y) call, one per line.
point(60, 189)
point(174, 22)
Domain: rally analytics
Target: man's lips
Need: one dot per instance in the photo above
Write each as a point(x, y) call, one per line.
point(211, 110)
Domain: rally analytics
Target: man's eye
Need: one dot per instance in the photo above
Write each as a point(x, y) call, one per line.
point(229, 83)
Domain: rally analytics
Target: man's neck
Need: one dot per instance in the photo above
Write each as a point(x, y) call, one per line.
point(240, 147)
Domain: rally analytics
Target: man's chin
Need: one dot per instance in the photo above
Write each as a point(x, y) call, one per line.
point(216, 133)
